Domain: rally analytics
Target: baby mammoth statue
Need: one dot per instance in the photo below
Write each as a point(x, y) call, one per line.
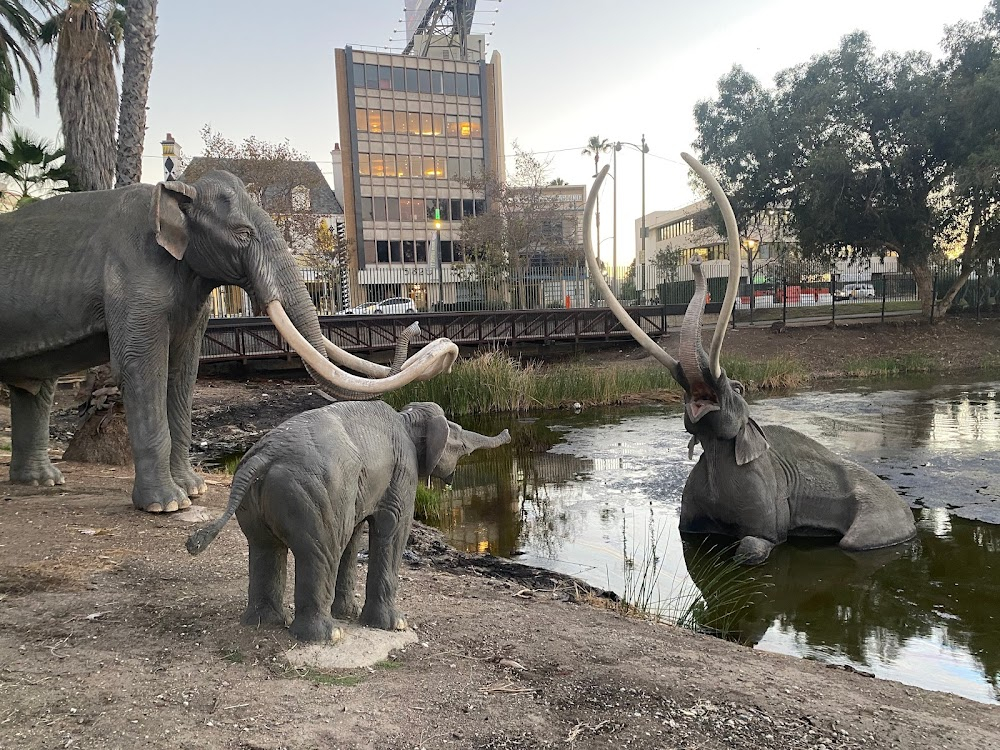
point(310, 484)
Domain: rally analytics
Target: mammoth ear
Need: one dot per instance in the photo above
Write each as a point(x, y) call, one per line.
point(435, 441)
point(751, 443)
point(169, 222)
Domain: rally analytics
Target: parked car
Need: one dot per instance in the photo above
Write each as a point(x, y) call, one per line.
point(854, 291)
point(390, 306)
point(365, 308)
point(396, 306)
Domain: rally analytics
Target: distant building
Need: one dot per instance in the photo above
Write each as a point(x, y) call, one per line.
point(690, 231)
point(414, 132)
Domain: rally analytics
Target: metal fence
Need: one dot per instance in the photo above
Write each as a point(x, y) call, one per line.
point(772, 290)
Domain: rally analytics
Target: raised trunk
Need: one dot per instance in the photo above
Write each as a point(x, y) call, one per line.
point(693, 359)
point(140, 36)
point(474, 441)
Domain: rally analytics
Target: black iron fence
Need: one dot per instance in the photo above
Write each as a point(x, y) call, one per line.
point(769, 290)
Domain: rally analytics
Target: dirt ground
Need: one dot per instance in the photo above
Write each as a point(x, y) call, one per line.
point(112, 636)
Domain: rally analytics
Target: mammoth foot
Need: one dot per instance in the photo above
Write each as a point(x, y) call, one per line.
point(265, 616)
point(384, 618)
point(159, 499)
point(315, 630)
point(753, 550)
point(191, 483)
point(344, 609)
point(36, 474)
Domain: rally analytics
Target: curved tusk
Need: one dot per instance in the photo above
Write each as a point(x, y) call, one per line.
point(434, 359)
point(641, 337)
point(735, 260)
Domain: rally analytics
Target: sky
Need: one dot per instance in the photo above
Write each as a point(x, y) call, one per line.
point(572, 69)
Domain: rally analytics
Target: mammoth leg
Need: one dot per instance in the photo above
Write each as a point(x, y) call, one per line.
point(139, 357)
point(317, 555)
point(268, 564)
point(345, 601)
point(29, 416)
point(388, 530)
point(184, 350)
point(753, 550)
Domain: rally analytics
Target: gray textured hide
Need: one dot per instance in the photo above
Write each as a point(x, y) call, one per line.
point(124, 276)
point(310, 484)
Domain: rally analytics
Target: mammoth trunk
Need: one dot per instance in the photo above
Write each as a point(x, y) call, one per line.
point(693, 359)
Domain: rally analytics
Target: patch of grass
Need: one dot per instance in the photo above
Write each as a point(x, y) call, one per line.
point(883, 367)
point(989, 363)
point(388, 664)
point(428, 504)
point(230, 462)
point(324, 678)
point(5, 446)
point(233, 656)
point(494, 382)
point(797, 312)
point(778, 373)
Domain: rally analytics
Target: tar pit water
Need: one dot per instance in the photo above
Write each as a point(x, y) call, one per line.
point(597, 495)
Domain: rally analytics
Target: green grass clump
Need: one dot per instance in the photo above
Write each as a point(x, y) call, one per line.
point(428, 504)
point(324, 678)
point(5, 446)
point(494, 382)
point(884, 367)
point(772, 374)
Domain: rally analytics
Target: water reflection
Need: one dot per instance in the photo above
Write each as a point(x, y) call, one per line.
point(581, 494)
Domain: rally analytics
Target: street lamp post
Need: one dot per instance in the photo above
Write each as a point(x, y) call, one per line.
point(643, 149)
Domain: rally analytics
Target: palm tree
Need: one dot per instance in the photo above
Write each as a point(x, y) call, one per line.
point(595, 147)
point(19, 36)
point(140, 35)
point(88, 34)
point(30, 168)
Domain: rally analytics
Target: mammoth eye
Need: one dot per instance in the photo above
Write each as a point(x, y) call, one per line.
point(243, 235)
point(738, 387)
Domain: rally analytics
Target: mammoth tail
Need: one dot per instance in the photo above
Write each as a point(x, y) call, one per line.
point(248, 472)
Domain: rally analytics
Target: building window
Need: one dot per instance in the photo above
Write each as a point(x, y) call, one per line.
point(367, 210)
point(425, 81)
point(370, 251)
point(463, 84)
point(392, 206)
point(437, 82)
point(421, 251)
point(413, 123)
point(379, 202)
point(390, 165)
point(438, 125)
point(371, 76)
point(395, 253)
point(426, 124)
point(387, 122)
point(382, 251)
point(400, 122)
point(385, 78)
point(474, 85)
point(364, 165)
point(411, 80)
point(359, 75)
point(446, 251)
point(399, 79)
point(405, 209)
point(409, 254)
point(377, 165)
point(374, 121)
point(403, 165)
point(467, 207)
point(301, 200)
point(456, 209)
point(476, 125)
point(480, 205)
point(418, 208)
point(361, 116)
point(449, 84)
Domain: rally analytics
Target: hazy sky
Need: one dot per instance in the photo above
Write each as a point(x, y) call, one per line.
point(571, 69)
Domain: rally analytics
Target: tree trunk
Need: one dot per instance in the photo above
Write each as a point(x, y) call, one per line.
point(925, 287)
point(140, 36)
point(101, 435)
point(87, 93)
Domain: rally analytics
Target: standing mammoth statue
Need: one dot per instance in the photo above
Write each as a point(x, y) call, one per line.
point(760, 484)
point(311, 483)
point(124, 276)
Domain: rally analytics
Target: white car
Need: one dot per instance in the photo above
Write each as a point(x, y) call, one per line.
point(390, 306)
point(365, 308)
point(396, 306)
point(855, 291)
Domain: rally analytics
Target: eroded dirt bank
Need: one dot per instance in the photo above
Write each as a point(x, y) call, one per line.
point(111, 636)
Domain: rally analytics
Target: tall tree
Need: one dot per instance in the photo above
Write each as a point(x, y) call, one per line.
point(969, 203)
point(87, 34)
point(19, 36)
point(595, 147)
point(137, 67)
